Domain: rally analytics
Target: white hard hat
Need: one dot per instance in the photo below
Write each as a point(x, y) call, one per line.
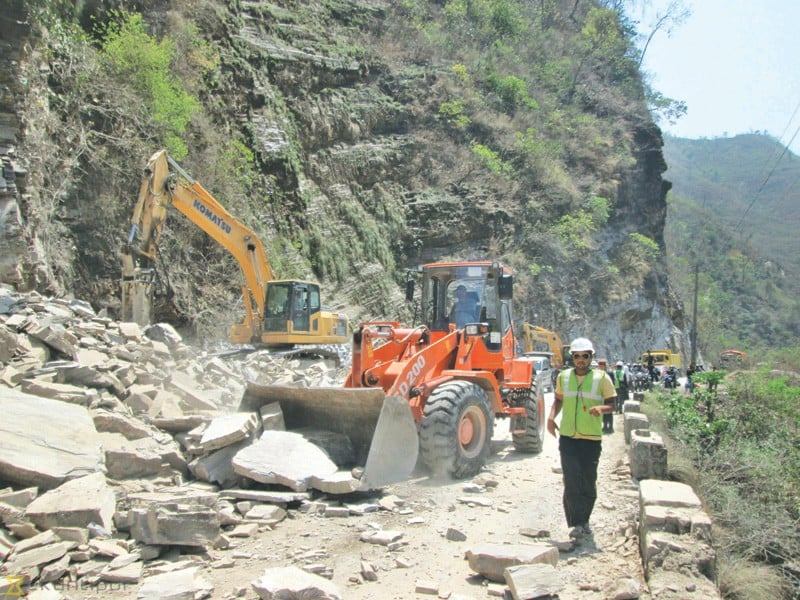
point(619, 363)
point(581, 345)
point(593, 364)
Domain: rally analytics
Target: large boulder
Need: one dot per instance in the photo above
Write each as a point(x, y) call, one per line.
point(46, 442)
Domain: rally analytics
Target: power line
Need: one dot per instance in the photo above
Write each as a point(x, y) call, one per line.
point(767, 178)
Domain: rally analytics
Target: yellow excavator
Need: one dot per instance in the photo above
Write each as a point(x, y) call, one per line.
point(532, 334)
point(278, 313)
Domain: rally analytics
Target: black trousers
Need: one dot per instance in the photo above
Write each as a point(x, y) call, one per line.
point(608, 422)
point(622, 396)
point(579, 460)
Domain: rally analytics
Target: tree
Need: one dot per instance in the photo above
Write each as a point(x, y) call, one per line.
point(675, 14)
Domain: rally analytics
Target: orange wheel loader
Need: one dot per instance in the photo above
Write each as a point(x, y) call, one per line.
point(432, 390)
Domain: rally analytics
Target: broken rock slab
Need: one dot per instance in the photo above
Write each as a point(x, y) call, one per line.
point(175, 525)
point(491, 560)
point(76, 503)
point(126, 459)
point(284, 458)
point(192, 396)
point(228, 430)
point(63, 392)
point(19, 562)
point(293, 582)
point(55, 336)
point(185, 584)
point(535, 581)
point(45, 442)
point(341, 482)
point(270, 496)
point(217, 467)
point(182, 517)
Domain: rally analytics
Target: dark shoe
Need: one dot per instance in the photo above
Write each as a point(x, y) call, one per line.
point(580, 531)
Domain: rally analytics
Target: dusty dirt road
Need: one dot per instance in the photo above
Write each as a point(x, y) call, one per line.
point(515, 494)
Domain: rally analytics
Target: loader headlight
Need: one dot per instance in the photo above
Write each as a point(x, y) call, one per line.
point(476, 329)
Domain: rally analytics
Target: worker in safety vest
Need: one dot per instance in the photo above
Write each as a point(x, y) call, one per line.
point(584, 395)
point(622, 381)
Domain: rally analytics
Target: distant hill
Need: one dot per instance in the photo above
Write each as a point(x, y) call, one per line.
point(748, 183)
point(733, 212)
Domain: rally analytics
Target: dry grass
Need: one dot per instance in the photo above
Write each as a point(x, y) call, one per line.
point(739, 579)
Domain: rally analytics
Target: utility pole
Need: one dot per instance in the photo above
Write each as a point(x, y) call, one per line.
point(693, 337)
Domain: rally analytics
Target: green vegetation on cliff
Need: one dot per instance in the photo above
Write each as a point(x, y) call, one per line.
point(357, 139)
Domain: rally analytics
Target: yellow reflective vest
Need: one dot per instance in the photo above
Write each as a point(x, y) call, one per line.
point(577, 400)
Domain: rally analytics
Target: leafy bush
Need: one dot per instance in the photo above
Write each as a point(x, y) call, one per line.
point(575, 230)
point(461, 74)
point(599, 208)
point(490, 159)
point(143, 62)
point(452, 113)
point(512, 91)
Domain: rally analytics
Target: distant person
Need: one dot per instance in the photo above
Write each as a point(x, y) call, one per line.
point(651, 367)
point(608, 418)
point(622, 381)
point(689, 374)
point(464, 308)
point(584, 394)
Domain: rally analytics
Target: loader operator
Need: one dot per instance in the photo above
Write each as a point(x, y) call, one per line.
point(464, 308)
point(585, 395)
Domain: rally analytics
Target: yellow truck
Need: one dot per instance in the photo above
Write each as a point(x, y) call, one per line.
point(661, 358)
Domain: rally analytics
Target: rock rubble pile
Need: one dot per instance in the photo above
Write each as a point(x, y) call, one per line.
point(120, 443)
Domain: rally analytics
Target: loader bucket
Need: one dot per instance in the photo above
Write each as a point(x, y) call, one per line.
point(381, 428)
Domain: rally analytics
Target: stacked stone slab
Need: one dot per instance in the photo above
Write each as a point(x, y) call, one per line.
point(634, 420)
point(674, 530)
point(648, 455)
point(675, 541)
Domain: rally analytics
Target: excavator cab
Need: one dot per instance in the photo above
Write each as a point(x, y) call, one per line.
point(289, 306)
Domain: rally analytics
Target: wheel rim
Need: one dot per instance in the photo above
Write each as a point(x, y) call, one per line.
point(471, 431)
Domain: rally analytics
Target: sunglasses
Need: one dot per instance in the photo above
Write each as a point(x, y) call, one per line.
point(584, 356)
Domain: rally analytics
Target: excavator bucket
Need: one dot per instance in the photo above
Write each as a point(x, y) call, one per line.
point(381, 428)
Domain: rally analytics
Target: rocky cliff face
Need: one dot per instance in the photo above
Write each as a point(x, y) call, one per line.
point(12, 242)
point(359, 177)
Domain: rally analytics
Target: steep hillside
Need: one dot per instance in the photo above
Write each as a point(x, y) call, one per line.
point(357, 138)
point(730, 216)
point(749, 182)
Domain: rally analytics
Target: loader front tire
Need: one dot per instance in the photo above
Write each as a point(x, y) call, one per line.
point(531, 439)
point(456, 430)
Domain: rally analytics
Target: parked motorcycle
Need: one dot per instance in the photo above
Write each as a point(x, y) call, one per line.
point(670, 379)
point(641, 380)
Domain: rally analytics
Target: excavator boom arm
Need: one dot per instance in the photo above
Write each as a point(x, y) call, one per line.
point(161, 188)
point(533, 333)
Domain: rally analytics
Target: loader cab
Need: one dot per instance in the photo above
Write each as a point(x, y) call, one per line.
point(462, 294)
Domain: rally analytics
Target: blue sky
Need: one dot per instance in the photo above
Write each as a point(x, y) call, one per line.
point(736, 64)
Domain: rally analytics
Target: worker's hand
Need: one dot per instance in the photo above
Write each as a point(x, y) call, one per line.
point(551, 427)
point(596, 411)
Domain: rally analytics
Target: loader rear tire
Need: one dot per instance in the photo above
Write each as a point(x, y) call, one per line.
point(532, 440)
point(455, 434)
